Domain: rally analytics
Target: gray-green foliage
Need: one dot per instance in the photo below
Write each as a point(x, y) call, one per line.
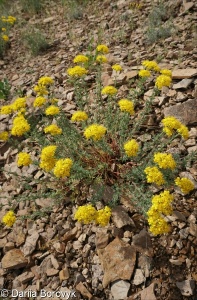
point(35, 40)
point(159, 24)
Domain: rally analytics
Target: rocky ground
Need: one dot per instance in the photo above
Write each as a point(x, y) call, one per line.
point(122, 260)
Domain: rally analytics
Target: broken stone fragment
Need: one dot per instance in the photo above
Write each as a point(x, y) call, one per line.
point(14, 259)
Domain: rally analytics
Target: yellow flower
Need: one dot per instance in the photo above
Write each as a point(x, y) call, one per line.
point(171, 123)
point(79, 116)
point(24, 159)
point(162, 203)
point(86, 214)
point(53, 129)
point(4, 136)
point(39, 101)
point(157, 224)
point(117, 68)
point(45, 80)
point(9, 219)
point(18, 104)
point(11, 20)
point(5, 37)
point(101, 59)
point(102, 48)
point(163, 80)
point(47, 160)
point(6, 110)
point(41, 90)
point(126, 105)
point(95, 131)
point(109, 90)
point(62, 168)
point(131, 148)
point(153, 175)
point(20, 126)
point(77, 71)
point(80, 59)
point(52, 110)
point(103, 216)
point(185, 184)
point(165, 161)
point(144, 73)
point(184, 132)
point(166, 72)
point(151, 65)
point(3, 29)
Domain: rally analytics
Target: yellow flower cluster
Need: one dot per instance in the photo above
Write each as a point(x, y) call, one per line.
point(153, 175)
point(171, 123)
point(18, 104)
point(166, 72)
point(5, 37)
point(144, 73)
point(41, 90)
point(101, 59)
point(95, 131)
point(163, 80)
point(9, 19)
point(117, 68)
point(45, 81)
point(39, 101)
point(126, 105)
point(151, 65)
point(52, 110)
point(20, 126)
point(4, 136)
point(9, 219)
point(161, 205)
point(131, 148)
point(88, 214)
point(77, 71)
point(62, 168)
point(109, 90)
point(79, 116)
point(185, 184)
point(80, 59)
point(53, 129)
point(6, 110)
point(165, 161)
point(24, 159)
point(47, 159)
point(102, 48)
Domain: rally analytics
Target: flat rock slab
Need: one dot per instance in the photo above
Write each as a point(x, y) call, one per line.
point(184, 73)
point(119, 289)
point(14, 259)
point(30, 244)
point(142, 243)
point(186, 287)
point(117, 260)
point(121, 218)
point(186, 112)
point(183, 84)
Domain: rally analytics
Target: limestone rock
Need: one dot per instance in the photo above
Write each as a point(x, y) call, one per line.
point(121, 218)
point(186, 287)
point(30, 244)
point(184, 73)
point(138, 277)
point(186, 112)
point(83, 290)
point(183, 84)
point(118, 261)
point(142, 242)
point(14, 259)
point(120, 289)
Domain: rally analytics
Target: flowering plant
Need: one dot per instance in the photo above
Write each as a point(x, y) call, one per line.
point(100, 144)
